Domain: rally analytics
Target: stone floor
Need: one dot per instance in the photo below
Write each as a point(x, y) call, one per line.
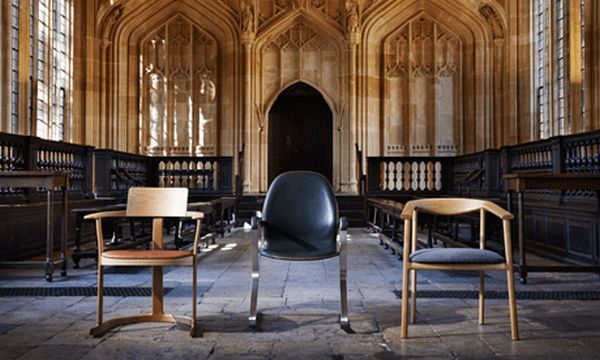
point(299, 302)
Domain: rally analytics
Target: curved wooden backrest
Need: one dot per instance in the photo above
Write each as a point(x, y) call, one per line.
point(452, 206)
point(157, 202)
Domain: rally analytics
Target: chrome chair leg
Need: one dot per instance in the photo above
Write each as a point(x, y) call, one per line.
point(344, 320)
point(252, 318)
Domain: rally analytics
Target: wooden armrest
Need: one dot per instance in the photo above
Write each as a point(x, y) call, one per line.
point(195, 215)
point(106, 214)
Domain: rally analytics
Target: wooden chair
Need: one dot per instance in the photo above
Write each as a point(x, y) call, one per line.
point(156, 203)
point(455, 258)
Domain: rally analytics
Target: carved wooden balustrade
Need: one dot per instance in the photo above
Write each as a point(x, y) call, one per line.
point(201, 175)
point(117, 171)
point(476, 174)
point(33, 154)
point(560, 224)
point(407, 175)
point(480, 174)
point(582, 153)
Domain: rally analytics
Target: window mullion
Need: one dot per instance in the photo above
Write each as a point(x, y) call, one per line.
point(48, 76)
point(67, 113)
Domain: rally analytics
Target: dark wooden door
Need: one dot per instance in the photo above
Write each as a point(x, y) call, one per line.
point(300, 132)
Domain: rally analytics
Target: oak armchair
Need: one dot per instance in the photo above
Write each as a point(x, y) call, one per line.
point(155, 203)
point(455, 258)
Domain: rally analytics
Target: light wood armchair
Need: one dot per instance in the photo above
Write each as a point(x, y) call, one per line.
point(455, 258)
point(155, 203)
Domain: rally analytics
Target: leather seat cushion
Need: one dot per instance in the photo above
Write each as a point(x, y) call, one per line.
point(146, 254)
point(456, 256)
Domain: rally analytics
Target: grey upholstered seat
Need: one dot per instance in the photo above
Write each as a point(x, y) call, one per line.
point(299, 222)
point(456, 256)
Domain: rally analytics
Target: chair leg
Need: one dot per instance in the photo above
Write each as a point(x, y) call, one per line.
point(194, 296)
point(413, 297)
point(99, 297)
point(512, 304)
point(252, 318)
point(404, 322)
point(481, 297)
point(344, 320)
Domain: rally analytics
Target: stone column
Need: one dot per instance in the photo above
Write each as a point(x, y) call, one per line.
point(348, 129)
point(247, 127)
point(594, 51)
point(575, 125)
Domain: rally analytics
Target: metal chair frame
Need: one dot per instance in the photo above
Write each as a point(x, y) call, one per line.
point(342, 254)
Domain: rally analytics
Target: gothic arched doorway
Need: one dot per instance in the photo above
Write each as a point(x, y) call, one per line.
point(300, 132)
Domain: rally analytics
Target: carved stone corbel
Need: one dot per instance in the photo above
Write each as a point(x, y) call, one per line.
point(109, 21)
point(353, 21)
point(248, 20)
point(493, 19)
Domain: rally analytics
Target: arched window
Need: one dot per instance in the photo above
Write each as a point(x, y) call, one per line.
point(560, 66)
point(178, 91)
point(48, 67)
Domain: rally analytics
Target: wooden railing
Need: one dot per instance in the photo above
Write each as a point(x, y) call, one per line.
point(117, 171)
point(408, 175)
point(28, 153)
point(12, 152)
point(476, 174)
point(535, 157)
point(201, 175)
point(582, 153)
point(114, 171)
point(480, 174)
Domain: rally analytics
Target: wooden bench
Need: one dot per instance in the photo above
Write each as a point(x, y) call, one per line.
point(383, 215)
point(219, 218)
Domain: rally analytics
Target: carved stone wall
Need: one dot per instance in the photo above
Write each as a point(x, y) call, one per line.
point(298, 53)
point(410, 77)
point(421, 81)
point(178, 91)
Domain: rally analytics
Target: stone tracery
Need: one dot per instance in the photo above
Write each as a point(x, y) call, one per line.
point(178, 90)
point(422, 67)
point(421, 71)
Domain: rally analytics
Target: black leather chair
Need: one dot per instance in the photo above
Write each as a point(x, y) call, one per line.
point(299, 222)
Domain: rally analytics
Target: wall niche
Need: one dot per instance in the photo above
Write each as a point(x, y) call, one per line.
point(178, 92)
point(422, 107)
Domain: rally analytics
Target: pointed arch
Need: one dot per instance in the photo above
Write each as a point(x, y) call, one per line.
point(300, 131)
point(299, 47)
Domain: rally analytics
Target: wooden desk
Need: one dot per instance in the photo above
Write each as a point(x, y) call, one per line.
point(529, 181)
point(48, 180)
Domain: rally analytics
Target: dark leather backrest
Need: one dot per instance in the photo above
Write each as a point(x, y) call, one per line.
point(300, 217)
